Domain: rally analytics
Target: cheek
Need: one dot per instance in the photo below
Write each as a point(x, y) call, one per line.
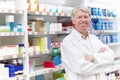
point(88, 23)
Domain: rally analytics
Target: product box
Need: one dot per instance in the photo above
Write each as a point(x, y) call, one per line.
point(49, 64)
point(40, 77)
point(57, 60)
point(7, 5)
point(11, 49)
point(2, 69)
point(34, 6)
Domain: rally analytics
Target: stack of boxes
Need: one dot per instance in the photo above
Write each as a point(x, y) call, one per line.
point(56, 53)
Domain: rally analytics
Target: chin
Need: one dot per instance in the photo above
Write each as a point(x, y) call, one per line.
point(83, 30)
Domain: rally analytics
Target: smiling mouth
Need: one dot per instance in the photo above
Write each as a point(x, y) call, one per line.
point(83, 24)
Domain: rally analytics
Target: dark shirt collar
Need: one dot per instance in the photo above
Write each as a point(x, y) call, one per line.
point(85, 36)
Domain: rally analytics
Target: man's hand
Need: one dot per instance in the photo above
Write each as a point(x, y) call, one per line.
point(102, 50)
point(89, 57)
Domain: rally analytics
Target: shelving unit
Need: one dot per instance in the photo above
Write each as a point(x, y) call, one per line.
point(11, 39)
point(47, 17)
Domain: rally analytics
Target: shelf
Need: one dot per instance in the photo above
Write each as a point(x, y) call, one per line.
point(12, 33)
point(18, 77)
point(40, 34)
point(111, 31)
point(103, 17)
point(4, 57)
point(104, 31)
point(46, 70)
point(67, 15)
point(37, 55)
point(11, 11)
point(113, 44)
point(46, 13)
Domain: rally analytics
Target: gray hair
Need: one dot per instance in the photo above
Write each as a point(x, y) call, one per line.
point(77, 8)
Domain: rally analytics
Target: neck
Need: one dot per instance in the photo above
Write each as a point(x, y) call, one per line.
point(84, 33)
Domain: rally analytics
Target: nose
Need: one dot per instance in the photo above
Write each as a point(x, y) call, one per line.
point(83, 19)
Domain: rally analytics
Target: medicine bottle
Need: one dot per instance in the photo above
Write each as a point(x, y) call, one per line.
point(21, 48)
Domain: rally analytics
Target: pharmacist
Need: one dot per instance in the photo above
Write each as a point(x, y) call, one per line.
point(84, 56)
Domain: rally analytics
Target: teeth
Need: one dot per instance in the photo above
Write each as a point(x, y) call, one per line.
point(83, 24)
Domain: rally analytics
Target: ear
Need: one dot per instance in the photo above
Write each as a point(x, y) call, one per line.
point(73, 21)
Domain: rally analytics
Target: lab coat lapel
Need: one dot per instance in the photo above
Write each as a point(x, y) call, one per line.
point(92, 42)
point(79, 37)
point(84, 43)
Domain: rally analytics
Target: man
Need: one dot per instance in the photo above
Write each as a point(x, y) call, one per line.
point(84, 56)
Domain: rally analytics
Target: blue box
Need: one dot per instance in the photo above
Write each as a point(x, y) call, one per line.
point(57, 60)
point(12, 69)
point(40, 77)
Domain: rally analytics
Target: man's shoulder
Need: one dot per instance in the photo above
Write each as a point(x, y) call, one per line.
point(68, 38)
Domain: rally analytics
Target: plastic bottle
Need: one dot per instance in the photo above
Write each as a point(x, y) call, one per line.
point(21, 48)
point(10, 22)
point(20, 66)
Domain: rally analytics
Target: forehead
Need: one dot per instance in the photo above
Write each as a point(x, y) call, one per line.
point(80, 12)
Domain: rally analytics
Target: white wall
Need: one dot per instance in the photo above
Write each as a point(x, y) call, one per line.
point(63, 2)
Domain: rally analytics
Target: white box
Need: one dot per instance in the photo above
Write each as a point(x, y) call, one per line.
point(2, 69)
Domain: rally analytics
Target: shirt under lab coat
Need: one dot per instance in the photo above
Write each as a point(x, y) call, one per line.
point(73, 49)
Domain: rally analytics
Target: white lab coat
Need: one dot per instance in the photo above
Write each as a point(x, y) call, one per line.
point(73, 49)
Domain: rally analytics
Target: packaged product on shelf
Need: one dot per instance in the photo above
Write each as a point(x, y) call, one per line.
point(2, 68)
point(20, 66)
point(49, 64)
point(19, 28)
point(7, 4)
point(33, 7)
point(21, 48)
point(14, 62)
point(10, 22)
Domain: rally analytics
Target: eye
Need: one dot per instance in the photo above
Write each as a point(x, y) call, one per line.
point(79, 17)
point(86, 17)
